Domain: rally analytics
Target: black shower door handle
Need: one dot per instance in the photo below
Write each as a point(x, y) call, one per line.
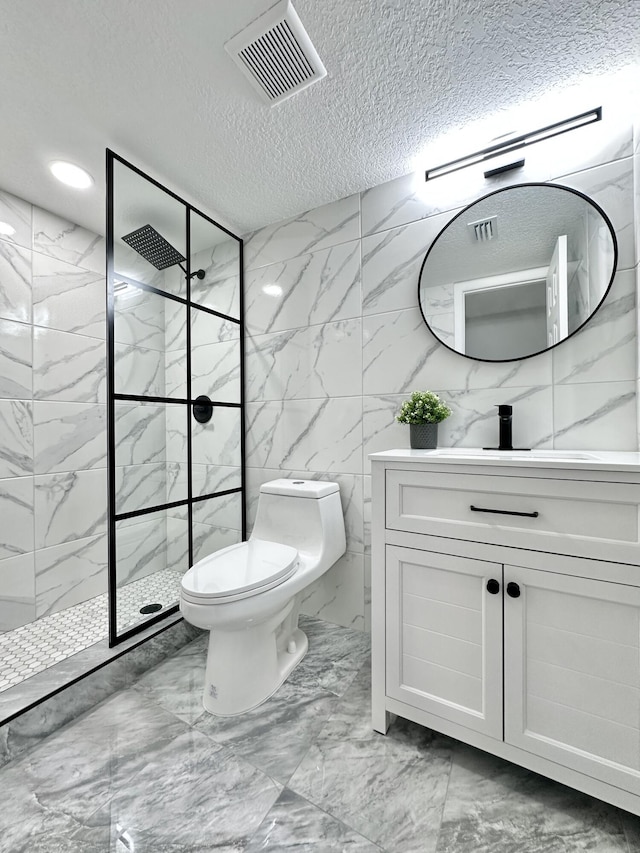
point(504, 511)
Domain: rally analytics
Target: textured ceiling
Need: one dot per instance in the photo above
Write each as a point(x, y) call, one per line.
point(151, 80)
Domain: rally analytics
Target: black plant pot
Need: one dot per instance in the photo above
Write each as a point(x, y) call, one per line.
point(423, 436)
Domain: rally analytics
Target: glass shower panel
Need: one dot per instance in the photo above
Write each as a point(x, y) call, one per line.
point(150, 455)
point(151, 558)
point(217, 522)
point(217, 254)
point(217, 444)
point(149, 239)
point(215, 357)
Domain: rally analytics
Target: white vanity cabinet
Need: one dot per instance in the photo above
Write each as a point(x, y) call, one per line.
point(506, 610)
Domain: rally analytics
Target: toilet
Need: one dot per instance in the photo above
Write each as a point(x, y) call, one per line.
point(248, 595)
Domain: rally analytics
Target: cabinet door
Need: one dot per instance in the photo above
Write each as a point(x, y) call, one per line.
point(572, 673)
point(444, 637)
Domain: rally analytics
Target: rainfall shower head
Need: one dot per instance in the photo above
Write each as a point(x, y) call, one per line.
point(158, 251)
point(153, 247)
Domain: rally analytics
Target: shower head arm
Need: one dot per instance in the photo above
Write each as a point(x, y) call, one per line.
point(200, 273)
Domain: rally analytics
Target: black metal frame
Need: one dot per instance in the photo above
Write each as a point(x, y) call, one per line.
point(488, 195)
point(187, 402)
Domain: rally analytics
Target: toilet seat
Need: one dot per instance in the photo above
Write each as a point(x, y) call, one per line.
point(239, 571)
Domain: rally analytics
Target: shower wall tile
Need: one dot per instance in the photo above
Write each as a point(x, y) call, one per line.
point(68, 298)
point(17, 213)
point(141, 548)
point(140, 318)
point(209, 329)
point(69, 506)
point(303, 291)
point(391, 263)
point(338, 596)
point(15, 282)
point(18, 600)
point(216, 442)
point(15, 360)
point(223, 512)
point(391, 364)
point(69, 436)
point(595, 416)
point(70, 573)
point(221, 384)
point(68, 367)
point(139, 371)
point(58, 238)
point(319, 361)
point(219, 289)
point(16, 512)
point(208, 479)
point(143, 486)
point(16, 438)
point(310, 435)
point(208, 539)
point(177, 532)
point(607, 346)
point(140, 432)
point(333, 223)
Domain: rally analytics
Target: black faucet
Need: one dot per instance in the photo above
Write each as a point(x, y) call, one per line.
point(505, 435)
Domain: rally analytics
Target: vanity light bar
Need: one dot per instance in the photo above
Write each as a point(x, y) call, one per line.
point(516, 143)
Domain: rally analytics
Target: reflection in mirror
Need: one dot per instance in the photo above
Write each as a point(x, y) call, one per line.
point(517, 272)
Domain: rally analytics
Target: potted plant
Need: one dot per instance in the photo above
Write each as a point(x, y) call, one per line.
point(423, 411)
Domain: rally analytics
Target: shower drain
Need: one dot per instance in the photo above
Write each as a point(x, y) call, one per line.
point(150, 608)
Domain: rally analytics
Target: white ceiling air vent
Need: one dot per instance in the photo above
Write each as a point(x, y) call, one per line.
point(484, 229)
point(276, 54)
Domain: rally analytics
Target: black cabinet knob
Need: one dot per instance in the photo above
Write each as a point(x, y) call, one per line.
point(513, 589)
point(493, 586)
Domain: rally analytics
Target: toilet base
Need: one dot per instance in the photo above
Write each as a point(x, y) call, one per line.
point(244, 668)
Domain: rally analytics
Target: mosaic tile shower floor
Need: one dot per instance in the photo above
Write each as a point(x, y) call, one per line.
point(149, 770)
point(34, 647)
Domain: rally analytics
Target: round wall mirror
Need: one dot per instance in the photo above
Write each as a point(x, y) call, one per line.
point(517, 272)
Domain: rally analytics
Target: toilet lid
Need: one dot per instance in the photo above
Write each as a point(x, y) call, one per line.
point(242, 568)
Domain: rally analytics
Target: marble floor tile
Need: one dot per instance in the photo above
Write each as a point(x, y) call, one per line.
point(494, 806)
point(390, 789)
point(296, 825)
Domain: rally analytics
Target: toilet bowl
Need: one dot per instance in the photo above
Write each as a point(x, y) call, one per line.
point(248, 595)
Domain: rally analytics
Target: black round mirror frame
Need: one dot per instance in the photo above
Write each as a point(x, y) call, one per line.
point(483, 198)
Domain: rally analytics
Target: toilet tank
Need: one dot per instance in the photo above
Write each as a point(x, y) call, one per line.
point(306, 514)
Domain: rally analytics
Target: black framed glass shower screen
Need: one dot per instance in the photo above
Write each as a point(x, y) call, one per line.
point(175, 333)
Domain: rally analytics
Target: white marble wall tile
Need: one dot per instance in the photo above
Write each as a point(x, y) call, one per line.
point(215, 371)
point(319, 361)
point(16, 512)
point(175, 373)
point(129, 264)
point(15, 360)
point(139, 318)
point(15, 282)
point(70, 573)
point(595, 416)
point(207, 539)
point(400, 354)
point(473, 423)
point(140, 432)
point(68, 298)
point(69, 436)
point(144, 486)
point(366, 513)
point(141, 548)
point(208, 329)
point(177, 532)
point(611, 186)
point(18, 596)
point(593, 145)
point(310, 435)
point(391, 263)
point(607, 346)
point(139, 371)
point(351, 488)
point(208, 479)
point(219, 289)
point(220, 260)
point(178, 421)
point(67, 367)
point(17, 213)
point(303, 291)
point(224, 511)
point(68, 506)
point(66, 241)
point(338, 596)
point(333, 223)
point(16, 438)
point(217, 442)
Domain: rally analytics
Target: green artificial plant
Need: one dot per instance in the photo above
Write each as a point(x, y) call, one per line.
point(423, 407)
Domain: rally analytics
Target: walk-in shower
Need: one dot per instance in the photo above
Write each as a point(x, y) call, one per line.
point(175, 410)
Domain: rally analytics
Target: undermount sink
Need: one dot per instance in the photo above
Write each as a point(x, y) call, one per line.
point(479, 453)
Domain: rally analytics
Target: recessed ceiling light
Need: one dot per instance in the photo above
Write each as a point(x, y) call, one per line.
point(71, 174)
point(6, 229)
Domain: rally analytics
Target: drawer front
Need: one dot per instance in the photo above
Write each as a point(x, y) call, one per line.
point(582, 518)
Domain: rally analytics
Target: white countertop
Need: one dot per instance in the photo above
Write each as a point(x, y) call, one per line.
point(602, 460)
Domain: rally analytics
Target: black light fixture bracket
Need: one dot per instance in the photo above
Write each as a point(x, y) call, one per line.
point(516, 143)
